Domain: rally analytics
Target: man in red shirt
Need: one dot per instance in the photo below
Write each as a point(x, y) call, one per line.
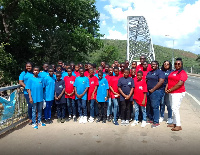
point(69, 94)
point(77, 70)
point(140, 66)
point(122, 66)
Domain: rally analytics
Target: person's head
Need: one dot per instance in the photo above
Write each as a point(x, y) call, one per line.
point(45, 66)
point(134, 64)
point(29, 67)
point(126, 72)
point(122, 66)
point(58, 75)
point(94, 66)
point(178, 64)
point(166, 66)
point(59, 68)
point(139, 75)
point(76, 68)
point(154, 65)
point(60, 63)
point(106, 68)
point(81, 71)
point(100, 74)
point(116, 63)
point(90, 65)
point(51, 71)
point(126, 63)
point(36, 71)
point(72, 65)
point(142, 59)
point(91, 71)
point(53, 65)
point(86, 66)
point(69, 71)
point(67, 66)
point(145, 65)
point(100, 68)
point(116, 71)
point(103, 64)
point(113, 65)
point(110, 71)
point(133, 72)
point(80, 65)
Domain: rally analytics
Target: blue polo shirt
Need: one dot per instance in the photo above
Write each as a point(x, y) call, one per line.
point(43, 74)
point(81, 83)
point(126, 84)
point(166, 77)
point(24, 76)
point(102, 90)
point(59, 86)
point(153, 78)
point(66, 74)
point(36, 85)
point(49, 84)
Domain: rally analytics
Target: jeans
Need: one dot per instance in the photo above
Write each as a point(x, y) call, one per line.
point(37, 106)
point(92, 107)
point(61, 110)
point(71, 106)
point(175, 101)
point(116, 107)
point(125, 110)
point(82, 109)
point(154, 100)
point(102, 110)
point(143, 109)
point(29, 106)
point(109, 107)
point(165, 101)
point(47, 109)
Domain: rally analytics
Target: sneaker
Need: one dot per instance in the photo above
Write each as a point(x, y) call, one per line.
point(109, 119)
point(58, 120)
point(143, 124)
point(84, 119)
point(123, 122)
point(104, 121)
point(155, 125)
point(62, 120)
point(134, 123)
point(169, 121)
point(115, 122)
point(50, 121)
point(91, 120)
point(41, 124)
point(35, 126)
point(161, 119)
point(149, 122)
point(81, 119)
point(75, 118)
point(98, 120)
point(127, 122)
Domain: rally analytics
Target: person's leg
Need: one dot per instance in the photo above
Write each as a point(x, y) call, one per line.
point(73, 108)
point(167, 102)
point(84, 107)
point(100, 112)
point(80, 107)
point(104, 111)
point(63, 110)
point(29, 106)
point(92, 108)
point(39, 108)
point(148, 107)
point(127, 110)
point(144, 118)
point(46, 109)
point(115, 102)
point(34, 107)
point(136, 111)
point(88, 108)
point(69, 106)
point(109, 107)
point(162, 106)
point(49, 112)
point(58, 111)
point(123, 108)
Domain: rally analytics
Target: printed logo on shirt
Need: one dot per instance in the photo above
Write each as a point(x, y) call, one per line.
point(140, 87)
point(60, 86)
point(83, 82)
point(92, 82)
point(40, 82)
point(103, 84)
point(71, 82)
point(139, 69)
point(129, 83)
point(166, 73)
point(174, 74)
point(154, 74)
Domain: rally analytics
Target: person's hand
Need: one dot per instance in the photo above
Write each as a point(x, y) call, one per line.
point(127, 97)
point(106, 98)
point(143, 102)
point(151, 90)
point(168, 91)
point(92, 97)
point(31, 100)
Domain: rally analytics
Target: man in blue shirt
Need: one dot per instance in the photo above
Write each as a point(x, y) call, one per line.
point(44, 73)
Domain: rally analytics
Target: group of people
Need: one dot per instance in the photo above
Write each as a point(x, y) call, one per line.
point(107, 93)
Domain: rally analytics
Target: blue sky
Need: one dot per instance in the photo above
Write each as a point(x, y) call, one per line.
point(178, 19)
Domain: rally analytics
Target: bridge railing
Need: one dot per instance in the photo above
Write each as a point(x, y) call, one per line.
point(20, 108)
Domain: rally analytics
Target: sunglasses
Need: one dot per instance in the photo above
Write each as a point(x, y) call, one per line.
point(177, 64)
point(166, 64)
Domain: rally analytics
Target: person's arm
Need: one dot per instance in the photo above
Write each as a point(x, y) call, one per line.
point(21, 82)
point(56, 98)
point(166, 87)
point(86, 89)
point(76, 93)
point(121, 92)
point(95, 89)
point(113, 91)
point(61, 94)
point(106, 98)
point(131, 92)
point(178, 85)
point(160, 82)
point(71, 93)
point(145, 96)
point(30, 97)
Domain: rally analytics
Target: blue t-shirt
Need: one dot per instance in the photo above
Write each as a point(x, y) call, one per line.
point(104, 75)
point(126, 84)
point(43, 74)
point(153, 78)
point(49, 84)
point(102, 90)
point(166, 77)
point(66, 74)
point(36, 85)
point(59, 86)
point(24, 76)
point(81, 83)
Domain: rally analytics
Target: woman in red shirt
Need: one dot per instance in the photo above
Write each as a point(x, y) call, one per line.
point(176, 90)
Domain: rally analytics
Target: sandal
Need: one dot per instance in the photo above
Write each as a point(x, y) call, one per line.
point(177, 128)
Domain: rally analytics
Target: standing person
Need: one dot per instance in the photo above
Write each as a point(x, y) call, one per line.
point(44, 73)
point(70, 94)
point(114, 93)
point(126, 64)
point(23, 79)
point(60, 98)
point(65, 73)
point(103, 64)
point(140, 98)
point(155, 80)
point(49, 84)
point(77, 71)
point(126, 88)
point(134, 64)
point(94, 67)
point(92, 93)
point(167, 69)
point(176, 90)
point(106, 69)
point(140, 66)
point(34, 88)
point(81, 86)
point(145, 69)
point(86, 73)
point(122, 66)
point(102, 97)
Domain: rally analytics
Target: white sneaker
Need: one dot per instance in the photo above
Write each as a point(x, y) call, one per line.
point(127, 122)
point(123, 122)
point(169, 121)
point(134, 123)
point(81, 120)
point(91, 120)
point(143, 124)
point(161, 119)
point(85, 119)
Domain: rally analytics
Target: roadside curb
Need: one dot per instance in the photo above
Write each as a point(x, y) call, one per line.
point(196, 75)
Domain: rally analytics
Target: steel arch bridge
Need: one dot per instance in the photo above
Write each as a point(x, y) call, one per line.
point(139, 41)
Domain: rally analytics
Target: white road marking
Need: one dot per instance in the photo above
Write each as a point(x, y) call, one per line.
point(194, 98)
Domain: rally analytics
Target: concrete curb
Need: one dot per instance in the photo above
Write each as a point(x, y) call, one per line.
point(196, 75)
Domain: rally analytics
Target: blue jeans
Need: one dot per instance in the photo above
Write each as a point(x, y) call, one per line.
point(71, 106)
point(92, 107)
point(165, 101)
point(116, 107)
point(37, 106)
point(29, 106)
point(143, 109)
point(47, 109)
point(82, 109)
point(154, 100)
point(110, 107)
point(61, 109)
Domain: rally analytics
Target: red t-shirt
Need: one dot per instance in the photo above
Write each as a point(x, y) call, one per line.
point(140, 68)
point(145, 74)
point(121, 74)
point(113, 84)
point(140, 89)
point(93, 83)
point(69, 86)
point(108, 78)
point(77, 73)
point(86, 73)
point(174, 78)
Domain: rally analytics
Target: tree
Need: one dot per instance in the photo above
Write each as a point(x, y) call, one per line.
point(49, 30)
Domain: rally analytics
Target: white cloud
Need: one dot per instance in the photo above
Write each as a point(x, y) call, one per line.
point(120, 3)
point(113, 34)
point(103, 23)
point(103, 16)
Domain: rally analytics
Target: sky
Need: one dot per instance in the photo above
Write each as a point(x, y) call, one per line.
point(169, 21)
